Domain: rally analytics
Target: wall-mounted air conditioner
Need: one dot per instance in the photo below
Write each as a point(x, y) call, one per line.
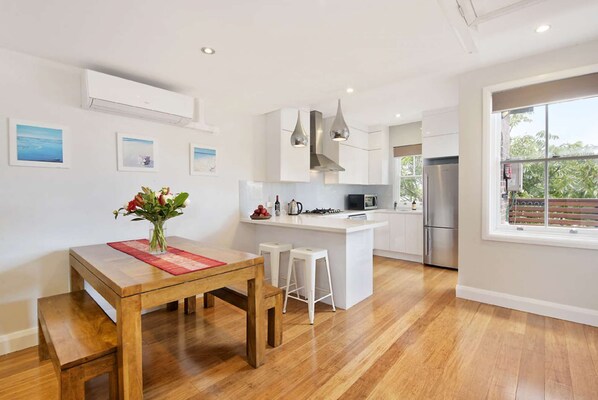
point(106, 93)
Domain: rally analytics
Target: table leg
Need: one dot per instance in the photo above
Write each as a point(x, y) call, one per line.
point(172, 306)
point(128, 325)
point(190, 304)
point(208, 300)
point(76, 280)
point(256, 342)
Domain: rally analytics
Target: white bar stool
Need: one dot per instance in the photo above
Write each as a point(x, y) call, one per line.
point(275, 249)
point(309, 256)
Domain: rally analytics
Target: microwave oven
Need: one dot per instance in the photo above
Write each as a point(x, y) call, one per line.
point(362, 201)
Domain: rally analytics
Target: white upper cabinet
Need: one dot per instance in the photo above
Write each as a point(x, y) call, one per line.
point(440, 122)
point(441, 146)
point(285, 163)
point(440, 133)
point(359, 137)
point(379, 157)
point(365, 155)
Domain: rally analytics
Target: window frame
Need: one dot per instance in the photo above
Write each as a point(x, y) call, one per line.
point(399, 176)
point(492, 229)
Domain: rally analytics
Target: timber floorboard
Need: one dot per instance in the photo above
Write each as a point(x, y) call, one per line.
point(411, 340)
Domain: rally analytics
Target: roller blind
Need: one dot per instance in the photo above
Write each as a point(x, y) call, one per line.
point(410, 150)
point(546, 92)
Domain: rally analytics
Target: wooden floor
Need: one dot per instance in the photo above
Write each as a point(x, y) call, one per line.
point(412, 340)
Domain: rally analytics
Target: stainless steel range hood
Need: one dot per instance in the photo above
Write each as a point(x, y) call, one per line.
point(318, 161)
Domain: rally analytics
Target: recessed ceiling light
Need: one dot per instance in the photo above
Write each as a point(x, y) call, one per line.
point(398, 115)
point(350, 90)
point(542, 28)
point(208, 50)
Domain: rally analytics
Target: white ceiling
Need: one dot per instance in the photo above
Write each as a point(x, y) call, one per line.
point(401, 56)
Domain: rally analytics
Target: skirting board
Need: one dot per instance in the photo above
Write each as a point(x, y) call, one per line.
point(19, 340)
point(398, 256)
point(546, 308)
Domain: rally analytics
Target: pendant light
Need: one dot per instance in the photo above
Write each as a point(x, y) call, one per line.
point(299, 137)
point(339, 131)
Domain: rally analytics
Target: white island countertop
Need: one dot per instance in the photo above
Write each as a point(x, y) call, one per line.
point(317, 223)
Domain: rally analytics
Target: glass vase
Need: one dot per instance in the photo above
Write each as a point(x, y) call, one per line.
point(157, 238)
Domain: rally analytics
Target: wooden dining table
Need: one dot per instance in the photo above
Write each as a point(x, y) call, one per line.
point(131, 285)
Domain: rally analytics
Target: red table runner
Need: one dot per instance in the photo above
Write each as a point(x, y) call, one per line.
point(175, 261)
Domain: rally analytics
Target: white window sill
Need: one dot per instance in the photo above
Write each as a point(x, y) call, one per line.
point(543, 238)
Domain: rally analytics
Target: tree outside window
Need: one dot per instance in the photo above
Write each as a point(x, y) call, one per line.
point(556, 146)
point(408, 179)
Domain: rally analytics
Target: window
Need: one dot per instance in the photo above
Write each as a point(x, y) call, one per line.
point(408, 179)
point(546, 177)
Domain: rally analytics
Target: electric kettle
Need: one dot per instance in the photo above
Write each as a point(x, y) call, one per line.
point(295, 207)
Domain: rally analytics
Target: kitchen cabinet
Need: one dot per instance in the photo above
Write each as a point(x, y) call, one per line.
point(402, 238)
point(440, 146)
point(440, 122)
point(365, 156)
point(440, 133)
point(414, 234)
point(382, 234)
point(285, 163)
point(352, 155)
point(355, 162)
point(378, 157)
point(396, 224)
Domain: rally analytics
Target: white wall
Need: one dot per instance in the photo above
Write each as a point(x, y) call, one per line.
point(46, 211)
point(402, 135)
point(548, 280)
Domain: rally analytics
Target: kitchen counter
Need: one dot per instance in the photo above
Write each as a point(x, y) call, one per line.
point(349, 243)
point(337, 223)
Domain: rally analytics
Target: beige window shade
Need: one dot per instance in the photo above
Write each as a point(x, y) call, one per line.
point(410, 150)
point(546, 92)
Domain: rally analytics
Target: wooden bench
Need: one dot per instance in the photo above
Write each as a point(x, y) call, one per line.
point(80, 339)
point(237, 296)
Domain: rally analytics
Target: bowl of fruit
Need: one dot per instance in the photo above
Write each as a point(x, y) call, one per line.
point(260, 212)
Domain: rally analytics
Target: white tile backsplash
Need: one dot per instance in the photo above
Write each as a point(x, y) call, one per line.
point(314, 194)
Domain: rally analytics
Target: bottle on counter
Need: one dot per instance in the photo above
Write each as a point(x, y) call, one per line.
point(277, 207)
point(414, 205)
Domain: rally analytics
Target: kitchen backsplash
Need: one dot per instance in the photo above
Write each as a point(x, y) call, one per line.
point(314, 194)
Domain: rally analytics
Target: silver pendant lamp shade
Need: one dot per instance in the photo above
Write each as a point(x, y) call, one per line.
point(299, 137)
point(339, 131)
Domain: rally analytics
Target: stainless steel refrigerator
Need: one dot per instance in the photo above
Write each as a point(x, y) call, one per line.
point(441, 212)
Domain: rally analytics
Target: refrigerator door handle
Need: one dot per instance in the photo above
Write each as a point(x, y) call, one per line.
point(427, 199)
point(427, 242)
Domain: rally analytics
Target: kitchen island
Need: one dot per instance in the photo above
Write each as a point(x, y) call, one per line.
point(349, 244)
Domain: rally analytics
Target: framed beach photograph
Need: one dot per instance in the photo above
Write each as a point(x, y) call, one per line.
point(35, 144)
point(203, 160)
point(136, 153)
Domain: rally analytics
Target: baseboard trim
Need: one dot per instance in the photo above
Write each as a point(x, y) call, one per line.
point(546, 308)
point(19, 340)
point(399, 256)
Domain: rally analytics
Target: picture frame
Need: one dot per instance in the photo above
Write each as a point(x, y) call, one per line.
point(136, 153)
point(38, 144)
point(203, 160)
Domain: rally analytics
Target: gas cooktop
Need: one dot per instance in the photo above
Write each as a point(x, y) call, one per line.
point(323, 211)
